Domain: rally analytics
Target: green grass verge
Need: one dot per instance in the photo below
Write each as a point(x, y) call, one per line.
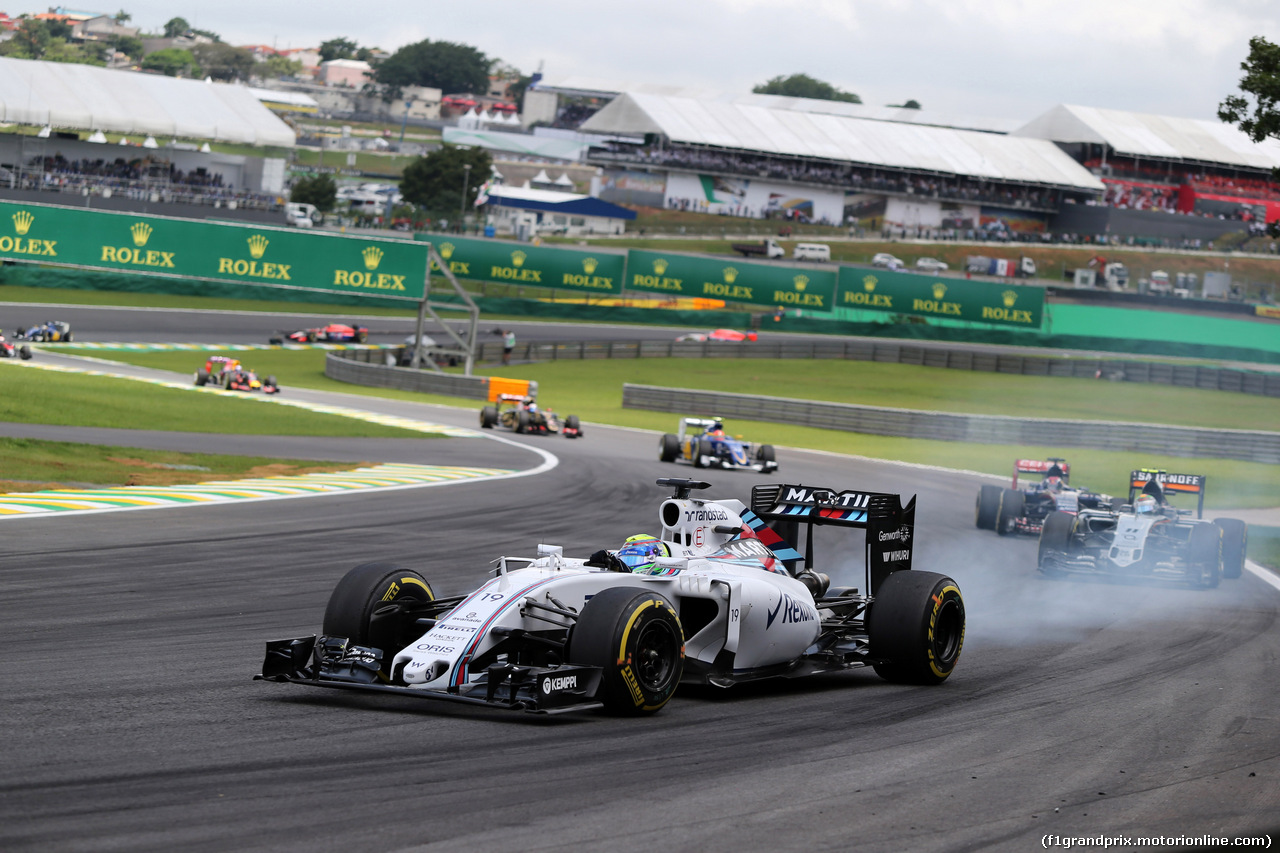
point(48, 397)
point(593, 391)
point(34, 465)
point(1264, 545)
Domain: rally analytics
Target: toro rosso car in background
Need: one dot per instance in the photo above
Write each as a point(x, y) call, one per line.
point(725, 594)
point(524, 415)
point(50, 331)
point(233, 376)
point(334, 333)
point(1024, 509)
point(8, 349)
point(1146, 538)
point(703, 442)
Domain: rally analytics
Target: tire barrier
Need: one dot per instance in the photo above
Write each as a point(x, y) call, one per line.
point(1247, 445)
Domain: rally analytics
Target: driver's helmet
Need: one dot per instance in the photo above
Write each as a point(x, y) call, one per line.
point(1145, 503)
point(716, 428)
point(528, 401)
point(640, 553)
point(533, 407)
point(1052, 484)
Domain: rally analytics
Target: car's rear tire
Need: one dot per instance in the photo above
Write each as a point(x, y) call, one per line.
point(572, 423)
point(311, 337)
point(488, 417)
point(227, 379)
point(522, 421)
point(668, 448)
point(701, 450)
point(24, 352)
point(67, 337)
point(362, 336)
point(202, 377)
point(986, 507)
point(1235, 546)
point(766, 454)
point(1055, 541)
point(367, 589)
point(916, 627)
point(1204, 552)
point(635, 637)
point(1012, 507)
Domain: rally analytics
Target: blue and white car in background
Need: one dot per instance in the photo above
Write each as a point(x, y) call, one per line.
point(703, 443)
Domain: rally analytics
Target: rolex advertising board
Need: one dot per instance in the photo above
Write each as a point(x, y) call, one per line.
point(183, 248)
point(1017, 305)
point(536, 266)
point(677, 275)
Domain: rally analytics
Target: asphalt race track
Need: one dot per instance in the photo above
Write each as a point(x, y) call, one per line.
point(131, 721)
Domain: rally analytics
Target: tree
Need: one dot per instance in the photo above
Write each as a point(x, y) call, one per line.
point(224, 62)
point(912, 104)
point(277, 66)
point(451, 68)
point(129, 45)
point(435, 181)
point(30, 40)
point(1261, 81)
point(319, 190)
point(339, 48)
point(804, 86)
point(172, 62)
point(176, 27)
point(122, 17)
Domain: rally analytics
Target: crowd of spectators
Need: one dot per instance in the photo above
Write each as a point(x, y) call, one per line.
point(841, 175)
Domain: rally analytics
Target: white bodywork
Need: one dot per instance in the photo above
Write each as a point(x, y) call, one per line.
point(763, 617)
point(1130, 536)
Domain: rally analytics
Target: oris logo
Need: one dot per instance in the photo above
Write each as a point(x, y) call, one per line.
point(554, 685)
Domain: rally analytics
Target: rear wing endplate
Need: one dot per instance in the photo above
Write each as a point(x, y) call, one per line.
point(890, 526)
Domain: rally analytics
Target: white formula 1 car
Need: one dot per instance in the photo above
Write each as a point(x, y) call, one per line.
point(725, 595)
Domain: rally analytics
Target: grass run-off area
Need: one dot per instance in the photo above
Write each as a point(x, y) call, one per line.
point(39, 396)
point(34, 465)
point(593, 391)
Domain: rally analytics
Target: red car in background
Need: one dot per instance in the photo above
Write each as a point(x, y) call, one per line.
point(334, 333)
point(723, 335)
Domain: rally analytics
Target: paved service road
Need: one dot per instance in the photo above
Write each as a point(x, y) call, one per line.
point(130, 721)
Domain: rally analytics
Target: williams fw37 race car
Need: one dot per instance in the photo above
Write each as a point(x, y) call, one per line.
point(723, 595)
point(8, 349)
point(703, 443)
point(233, 376)
point(50, 331)
point(1147, 538)
point(334, 333)
point(1023, 509)
point(522, 414)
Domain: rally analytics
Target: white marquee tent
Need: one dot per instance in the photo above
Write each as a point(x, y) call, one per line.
point(85, 97)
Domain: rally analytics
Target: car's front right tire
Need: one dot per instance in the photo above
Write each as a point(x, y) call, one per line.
point(635, 636)
point(354, 606)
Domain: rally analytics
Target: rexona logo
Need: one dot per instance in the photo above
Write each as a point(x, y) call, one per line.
point(798, 296)
point(21, 245)
point(135, 255)
point(937, 305)
point(369, 277)
point(516, 271)
point(1007, 313)
point(869, 298)
point(555, 685)
point(589, 265)
point(792, 610)
point(658, 280)
point(253, 268)
point(727, 289)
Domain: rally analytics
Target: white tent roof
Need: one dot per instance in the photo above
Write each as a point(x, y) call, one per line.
point(1157, 137)
point(764, 130)
point(85, 97)
point(542, 177)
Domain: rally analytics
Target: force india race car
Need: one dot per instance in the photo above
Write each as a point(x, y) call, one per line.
point(48, 332)
point(334, 333)
point(725, 595)
point(8, 349)
point(233, 376)
point(1147, 538)
point(1023, 510)
point(703, 442)
point(522, 414)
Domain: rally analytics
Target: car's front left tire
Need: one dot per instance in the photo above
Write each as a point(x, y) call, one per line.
point(635, 636)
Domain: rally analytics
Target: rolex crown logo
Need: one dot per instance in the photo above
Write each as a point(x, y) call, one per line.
point(22, 222)
point(730, 274)
point(446, 250)
point(372, 257)
point(257, 246)
point(141, 233)
point(801, 281)
point(589, 265)
point(517, 258)
point(869, 283)
point(1010, 297)
point(939, 290)
point(660, 266)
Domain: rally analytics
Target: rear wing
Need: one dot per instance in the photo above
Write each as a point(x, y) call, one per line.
point(1045, 468)
point(890, 526)
point(1150, 481)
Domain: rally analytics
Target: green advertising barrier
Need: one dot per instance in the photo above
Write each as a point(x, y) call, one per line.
point(184, 248)
point(477, 259)
point(722, 278)
point(993, 302)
